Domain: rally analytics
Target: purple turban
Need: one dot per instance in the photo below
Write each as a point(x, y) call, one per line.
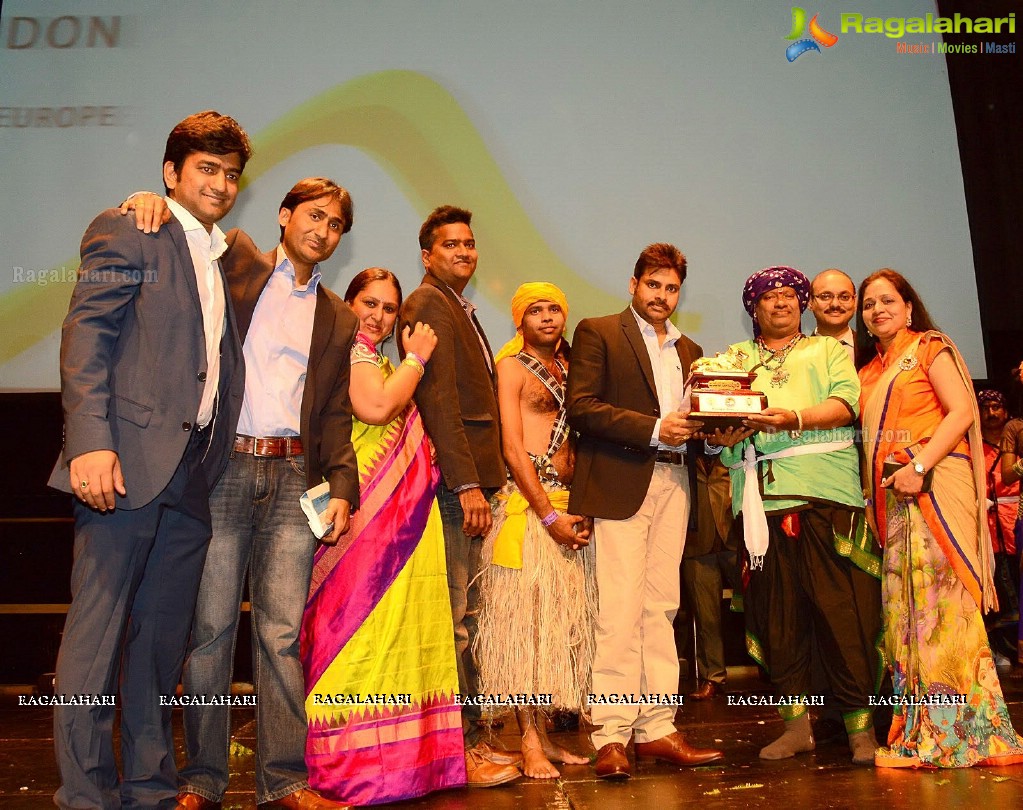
point(990, 395)
point(771, 278)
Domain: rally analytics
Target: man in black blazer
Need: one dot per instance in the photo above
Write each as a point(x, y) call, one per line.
point(457, 398)
point(295, 431)
point(151, 385)
point(625, 397)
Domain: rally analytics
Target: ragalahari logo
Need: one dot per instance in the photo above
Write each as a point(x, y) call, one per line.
point(802, 44)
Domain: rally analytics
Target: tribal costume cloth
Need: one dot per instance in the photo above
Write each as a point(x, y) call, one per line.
point(538, 599)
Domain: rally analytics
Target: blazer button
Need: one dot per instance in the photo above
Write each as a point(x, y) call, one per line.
point(201, 376)
point(186, 426)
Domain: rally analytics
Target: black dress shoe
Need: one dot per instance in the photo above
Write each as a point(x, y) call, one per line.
point(707, 691)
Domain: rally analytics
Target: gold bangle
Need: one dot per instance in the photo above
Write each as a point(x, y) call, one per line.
point(408, 361)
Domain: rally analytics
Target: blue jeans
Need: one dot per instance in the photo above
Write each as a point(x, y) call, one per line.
point(257, 525)
point(462, 555)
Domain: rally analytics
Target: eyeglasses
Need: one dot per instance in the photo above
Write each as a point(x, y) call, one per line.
point(826, 297)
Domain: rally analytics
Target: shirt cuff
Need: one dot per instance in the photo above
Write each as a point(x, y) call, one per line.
point(655, 440)
point(464, 487)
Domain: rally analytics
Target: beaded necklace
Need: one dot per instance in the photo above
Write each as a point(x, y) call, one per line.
point(778, 358)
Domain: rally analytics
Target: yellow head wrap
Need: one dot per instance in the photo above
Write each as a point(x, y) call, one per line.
point(525, 296)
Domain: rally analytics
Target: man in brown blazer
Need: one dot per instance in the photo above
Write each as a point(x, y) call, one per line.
point(295, 430)
point(626, 399)
point(458, 400)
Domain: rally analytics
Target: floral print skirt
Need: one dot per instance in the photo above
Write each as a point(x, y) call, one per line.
point(951, 713)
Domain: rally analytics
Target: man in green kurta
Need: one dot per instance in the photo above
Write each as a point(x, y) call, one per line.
point(795, 478)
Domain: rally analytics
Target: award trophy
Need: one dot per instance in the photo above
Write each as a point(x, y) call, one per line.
point(721, 392)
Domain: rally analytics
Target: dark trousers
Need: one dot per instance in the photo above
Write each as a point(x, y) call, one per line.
point(462, 555)
point(134, 583)
point(703, 578)
point(807, 589)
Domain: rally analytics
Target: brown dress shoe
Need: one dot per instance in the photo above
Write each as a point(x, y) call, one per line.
point(707, 690)
point(193, 801)
point(612, 763)
point(483, 772)
point(674, 748)
point(500, 755)
point(306, 799)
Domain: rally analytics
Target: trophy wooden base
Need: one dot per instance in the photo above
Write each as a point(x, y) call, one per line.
point(723, 399)
point(719, 421)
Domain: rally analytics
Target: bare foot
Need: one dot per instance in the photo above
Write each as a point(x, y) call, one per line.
point(555, 753)
point(535, 765)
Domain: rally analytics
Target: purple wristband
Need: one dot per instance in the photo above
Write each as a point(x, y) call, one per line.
point(415, 356)
point(547, 521)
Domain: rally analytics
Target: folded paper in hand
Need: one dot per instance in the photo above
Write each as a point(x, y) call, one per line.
point(314, 504)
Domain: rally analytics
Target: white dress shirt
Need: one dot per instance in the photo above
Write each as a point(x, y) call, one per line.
point(669, 377)
point(206, 248)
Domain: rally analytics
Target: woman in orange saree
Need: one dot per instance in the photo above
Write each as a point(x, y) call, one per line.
point(921, 440)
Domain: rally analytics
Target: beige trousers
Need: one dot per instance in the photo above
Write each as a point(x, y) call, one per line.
point(638, 589)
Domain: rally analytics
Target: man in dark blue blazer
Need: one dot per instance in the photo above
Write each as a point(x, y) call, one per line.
point(151, 384)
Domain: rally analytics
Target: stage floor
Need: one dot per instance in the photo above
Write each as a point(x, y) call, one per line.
point(824, 778)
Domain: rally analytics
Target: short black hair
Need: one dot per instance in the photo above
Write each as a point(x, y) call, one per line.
point(312, 188)
point(206, 131)
point(444, 215)
point(658, 255)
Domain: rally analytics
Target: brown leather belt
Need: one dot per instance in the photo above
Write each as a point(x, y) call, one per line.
point(269, 447)
point(671, 457)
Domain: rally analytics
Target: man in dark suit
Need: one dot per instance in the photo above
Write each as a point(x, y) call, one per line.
point(295, 431)
point(458, 400)
point(625, 397)
point(151, 383)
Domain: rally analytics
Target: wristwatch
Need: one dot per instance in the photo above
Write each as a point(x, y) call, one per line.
point(919, 468)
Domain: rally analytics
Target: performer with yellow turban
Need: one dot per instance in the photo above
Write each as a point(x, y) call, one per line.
point(538, 592)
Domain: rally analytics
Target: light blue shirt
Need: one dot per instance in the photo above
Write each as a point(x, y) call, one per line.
point(277, 353)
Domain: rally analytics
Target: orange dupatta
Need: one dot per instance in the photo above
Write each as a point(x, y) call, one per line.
point(950, 509)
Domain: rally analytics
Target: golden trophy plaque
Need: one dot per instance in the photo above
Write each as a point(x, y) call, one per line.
point(722, 393)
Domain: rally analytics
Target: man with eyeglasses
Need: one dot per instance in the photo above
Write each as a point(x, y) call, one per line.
point(833, 304)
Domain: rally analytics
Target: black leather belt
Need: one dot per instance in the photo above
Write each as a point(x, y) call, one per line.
point(671, 457)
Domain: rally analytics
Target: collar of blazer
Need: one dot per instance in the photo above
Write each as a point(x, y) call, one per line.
point(177, 235)
point(635, 338)
point(452, 297)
